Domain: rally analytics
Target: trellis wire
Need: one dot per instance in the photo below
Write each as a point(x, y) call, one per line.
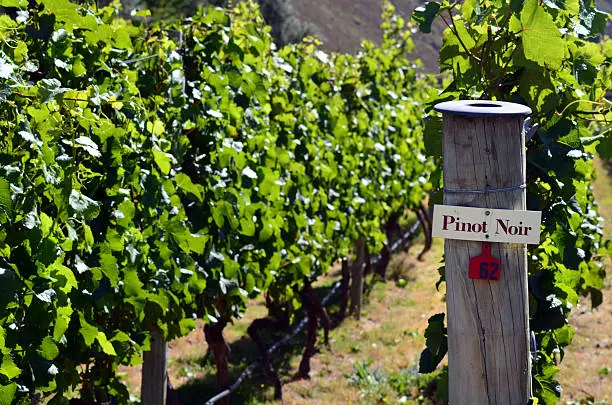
point(300, 325)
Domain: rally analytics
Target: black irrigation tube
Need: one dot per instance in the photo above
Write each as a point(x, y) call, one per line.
point(408, 235)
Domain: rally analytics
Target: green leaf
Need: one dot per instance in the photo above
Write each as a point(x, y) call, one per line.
point(564, 335)
point(197, 243)
point(247, 227)
point(50, 89)
point(184, 182)
point(7, 394)
point(163, 161)
point(83, 205)
point(122, 40)
point(186, 240)
point(48, 349)
point(60, 272)
point(575, 220)
point(604, 147)
point(89, 332)
point(78, 67)
point(115, 240)
point(45, 224)
point(108, 265)
point(266, 231)
point(249, 283)
point(432, 136)
point(88, 145)
point(541, 38)
point(62, 320)
point(187, 325)
point(65, 11)
point(6, 204)
point(437, 344)
point(161, 300)
point(546, 388)
point(120, 337)
point(230, 268)
point(143, 13)
point(127, 210)
point(156, 128)
point(89, 238)
point(425, 15)
point(132, 284)
point(9, 368)
point(107, 347)
point(107, 130)
point(14, 3)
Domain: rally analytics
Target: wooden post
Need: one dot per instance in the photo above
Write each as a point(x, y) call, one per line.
point(357, 279)
point(154, 375)
point(344, 288)
point(488, 321)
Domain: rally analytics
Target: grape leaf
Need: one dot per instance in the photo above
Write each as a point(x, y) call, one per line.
point(425, 15)
point(107, 347)
point(541, 38)
point(83, 205)
point(6, 204)
point(50, 89)
point(48, 349)
point(9, 368)
point(604, 147)
point(162, 160)
point(87, 331)
point(7, 393)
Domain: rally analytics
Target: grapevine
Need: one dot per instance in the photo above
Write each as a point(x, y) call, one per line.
point(155, 174)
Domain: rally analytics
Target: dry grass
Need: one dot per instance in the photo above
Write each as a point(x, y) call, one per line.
point(390, 334)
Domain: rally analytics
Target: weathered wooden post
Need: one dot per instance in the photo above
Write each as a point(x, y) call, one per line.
point(488, 318)
point(154, 383)
point(357, 279)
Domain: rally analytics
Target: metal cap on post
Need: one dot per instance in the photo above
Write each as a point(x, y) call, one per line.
point(488, 320)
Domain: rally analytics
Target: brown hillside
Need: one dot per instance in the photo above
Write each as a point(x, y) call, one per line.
point(343, 24)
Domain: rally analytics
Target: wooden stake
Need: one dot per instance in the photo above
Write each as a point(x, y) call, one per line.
point(488, 321)
point(154, 375)
point(357, 279)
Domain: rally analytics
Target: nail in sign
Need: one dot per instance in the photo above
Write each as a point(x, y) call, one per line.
point(485, 266)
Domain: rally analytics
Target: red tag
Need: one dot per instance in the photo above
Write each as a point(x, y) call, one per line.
point(485, 266)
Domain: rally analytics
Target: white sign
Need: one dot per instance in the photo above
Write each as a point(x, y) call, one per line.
point(486, 224)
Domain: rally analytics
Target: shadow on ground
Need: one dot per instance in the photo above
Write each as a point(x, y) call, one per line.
point(257, 387)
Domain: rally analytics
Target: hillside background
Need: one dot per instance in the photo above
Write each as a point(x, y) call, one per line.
point(340, 24)
point(343, 24)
